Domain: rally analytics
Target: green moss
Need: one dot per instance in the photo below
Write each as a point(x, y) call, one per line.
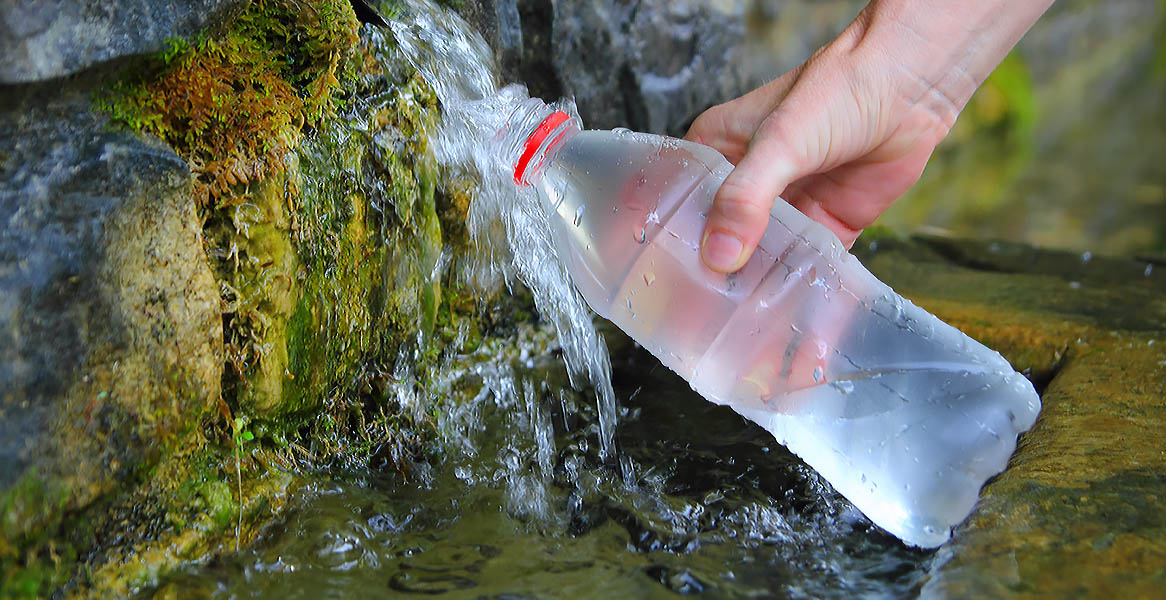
point(30, 560)
point(235, 103)
point(219, 502)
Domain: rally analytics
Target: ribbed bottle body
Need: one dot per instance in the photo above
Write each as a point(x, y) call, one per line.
point(906, 416)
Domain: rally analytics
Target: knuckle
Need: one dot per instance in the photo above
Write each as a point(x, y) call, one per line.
point(741, 202)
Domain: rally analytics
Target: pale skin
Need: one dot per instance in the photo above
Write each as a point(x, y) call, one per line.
point(849, 131)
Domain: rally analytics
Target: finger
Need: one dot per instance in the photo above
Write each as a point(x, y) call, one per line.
point(740, 211)
point(849, 198)
point(808, 196)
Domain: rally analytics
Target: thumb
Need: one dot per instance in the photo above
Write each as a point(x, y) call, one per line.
point(740, 211)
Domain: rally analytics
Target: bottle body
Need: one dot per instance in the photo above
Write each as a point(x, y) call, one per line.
point(906, 416)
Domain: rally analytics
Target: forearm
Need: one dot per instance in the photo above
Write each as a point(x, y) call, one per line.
point(938, 52)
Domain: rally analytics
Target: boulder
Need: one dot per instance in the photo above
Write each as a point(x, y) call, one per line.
point(44, 39)
point(110, 326)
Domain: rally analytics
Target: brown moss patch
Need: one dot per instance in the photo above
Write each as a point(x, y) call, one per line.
point(233, 104)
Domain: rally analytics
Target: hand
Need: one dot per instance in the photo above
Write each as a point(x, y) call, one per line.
point(844, 135)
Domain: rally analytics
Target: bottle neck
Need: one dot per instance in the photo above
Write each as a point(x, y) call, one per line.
point(533, 132)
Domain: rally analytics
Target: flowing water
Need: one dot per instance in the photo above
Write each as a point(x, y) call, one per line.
point(456, 61)
point(543, 490)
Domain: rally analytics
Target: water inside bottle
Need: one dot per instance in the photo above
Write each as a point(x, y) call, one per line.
point(903, 414)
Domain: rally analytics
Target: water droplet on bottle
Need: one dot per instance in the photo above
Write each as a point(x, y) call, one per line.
point(845, 387)
point(642, 236)
point(579, 214)
point(818, 374)
point(629, 301)
point(649, 278)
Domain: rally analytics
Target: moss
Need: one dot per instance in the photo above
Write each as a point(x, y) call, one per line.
point(371, 277)
point(31, 561)
point(258, 269)
point(234, 104)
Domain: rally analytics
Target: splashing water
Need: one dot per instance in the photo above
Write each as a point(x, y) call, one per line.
point(458, 64)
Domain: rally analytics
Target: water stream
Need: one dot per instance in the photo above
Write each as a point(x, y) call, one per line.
point(458, 64)
point(713, 505)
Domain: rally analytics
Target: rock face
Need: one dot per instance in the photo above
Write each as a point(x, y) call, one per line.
point(653, 65)
point(110, 327)
point(43, 39)
point(149, 332)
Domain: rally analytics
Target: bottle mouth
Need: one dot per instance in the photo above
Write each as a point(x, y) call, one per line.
point(535, 141)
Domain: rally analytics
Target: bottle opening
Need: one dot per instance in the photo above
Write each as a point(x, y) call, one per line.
point(535, 141)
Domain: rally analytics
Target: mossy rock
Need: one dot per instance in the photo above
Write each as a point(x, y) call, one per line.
point(111, 319)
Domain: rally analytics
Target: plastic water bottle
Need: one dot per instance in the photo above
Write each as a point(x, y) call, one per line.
point(903, 414)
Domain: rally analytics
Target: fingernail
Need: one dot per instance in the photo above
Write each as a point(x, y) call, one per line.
point(721, 251)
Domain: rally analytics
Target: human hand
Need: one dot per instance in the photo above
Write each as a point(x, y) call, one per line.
point(844, 135)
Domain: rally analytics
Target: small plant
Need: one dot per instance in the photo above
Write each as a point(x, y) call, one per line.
point(240, 435)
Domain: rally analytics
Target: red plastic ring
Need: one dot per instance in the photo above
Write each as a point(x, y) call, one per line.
point(535, 140)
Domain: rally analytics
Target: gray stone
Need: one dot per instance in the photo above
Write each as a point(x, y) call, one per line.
point(652, 65)
point(649, 66)
point(44, 39)
point(110, 324)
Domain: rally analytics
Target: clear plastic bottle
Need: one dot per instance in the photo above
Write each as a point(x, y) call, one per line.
point(903, 414)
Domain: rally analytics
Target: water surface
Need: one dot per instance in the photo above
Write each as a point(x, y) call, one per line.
point(700, 500)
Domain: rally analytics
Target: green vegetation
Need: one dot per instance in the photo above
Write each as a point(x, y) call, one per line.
point(234, 104)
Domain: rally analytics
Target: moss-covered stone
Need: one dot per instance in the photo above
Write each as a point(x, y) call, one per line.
point(234, 103)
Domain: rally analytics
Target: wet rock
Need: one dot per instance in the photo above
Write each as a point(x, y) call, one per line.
point(110, 327)
point(651, 66)
point(43, 39)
